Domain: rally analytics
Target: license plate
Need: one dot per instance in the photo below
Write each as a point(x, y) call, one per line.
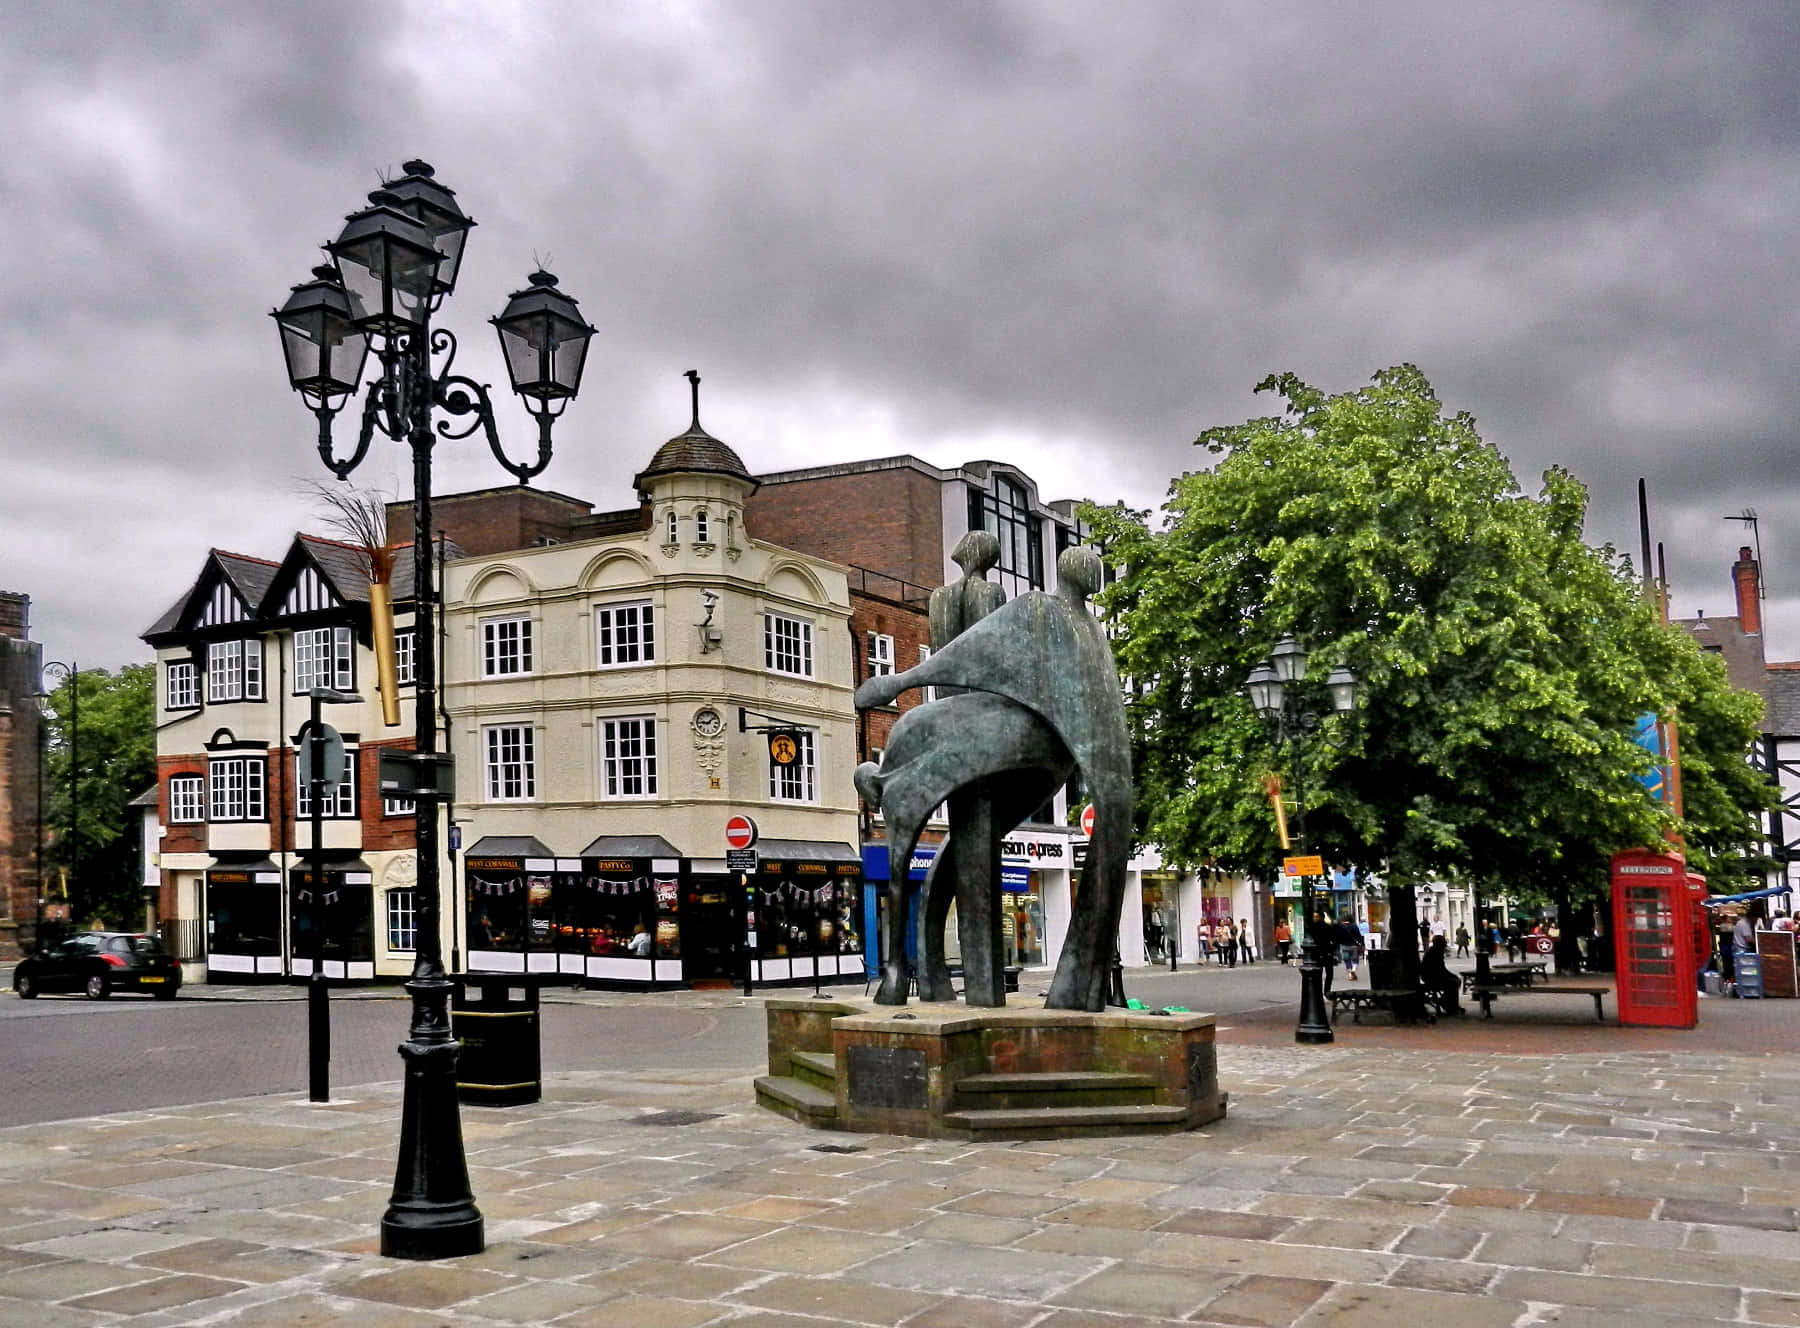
point(152, 979)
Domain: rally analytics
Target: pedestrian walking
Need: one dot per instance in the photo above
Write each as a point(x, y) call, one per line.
point(1462, 940)
point(1325, 929)
point(1231, 943)
point(1202, 941)
point(1424, 934)
point(1350, 944)
point(1244, 940)
point(1284, 940)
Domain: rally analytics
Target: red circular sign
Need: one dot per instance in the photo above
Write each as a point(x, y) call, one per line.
point(1087, 820)
point(740, 832)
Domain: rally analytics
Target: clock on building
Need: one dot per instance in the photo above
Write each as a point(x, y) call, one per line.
point(708, 723)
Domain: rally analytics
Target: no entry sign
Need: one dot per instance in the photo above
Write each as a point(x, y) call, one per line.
point(740, 832)
point(1087, 820)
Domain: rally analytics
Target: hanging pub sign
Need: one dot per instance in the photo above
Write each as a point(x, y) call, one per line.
point(784, 746)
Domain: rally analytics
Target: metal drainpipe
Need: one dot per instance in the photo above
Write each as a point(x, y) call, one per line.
point(285, 931)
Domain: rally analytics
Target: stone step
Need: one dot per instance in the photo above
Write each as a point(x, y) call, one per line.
point(818, 1068)
point(1061, 1122)
point(794, 1098)
point(1056, 1088)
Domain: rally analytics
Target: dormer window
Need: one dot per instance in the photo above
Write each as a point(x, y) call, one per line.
point(701, 534)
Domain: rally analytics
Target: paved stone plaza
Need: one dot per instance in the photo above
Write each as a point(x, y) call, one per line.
point(1350, 1186)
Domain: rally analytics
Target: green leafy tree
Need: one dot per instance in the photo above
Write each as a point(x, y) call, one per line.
point(115, 760)
point(1503, 661)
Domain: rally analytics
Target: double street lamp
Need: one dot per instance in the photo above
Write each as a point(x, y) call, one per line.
point(392, 265)
point(70, 674)
point(1275, 691)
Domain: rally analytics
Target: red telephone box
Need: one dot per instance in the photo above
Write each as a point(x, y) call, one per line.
point(1700, 921)
point(1653, 939)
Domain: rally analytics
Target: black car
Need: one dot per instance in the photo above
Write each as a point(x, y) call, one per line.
point(99, 963)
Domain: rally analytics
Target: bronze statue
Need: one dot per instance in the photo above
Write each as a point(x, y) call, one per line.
point(1036, 697)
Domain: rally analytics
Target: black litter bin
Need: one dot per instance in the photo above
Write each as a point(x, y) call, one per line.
point(1009, 977)
point(501, 1064)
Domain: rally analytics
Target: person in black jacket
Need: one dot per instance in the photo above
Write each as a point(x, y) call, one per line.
point(1438, 980)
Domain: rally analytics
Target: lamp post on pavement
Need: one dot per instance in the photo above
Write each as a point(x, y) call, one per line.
point(71, 674)
point(393, 264)
point(1274, 688)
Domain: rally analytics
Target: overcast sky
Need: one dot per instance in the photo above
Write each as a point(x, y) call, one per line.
point(1068, 236)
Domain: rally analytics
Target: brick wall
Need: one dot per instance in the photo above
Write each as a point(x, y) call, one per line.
point(380, 833)
point(910, 628)
point(887, 520)
point(187, 837)
point(494, 520)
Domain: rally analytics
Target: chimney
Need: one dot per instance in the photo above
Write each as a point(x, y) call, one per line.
point(1747, 577)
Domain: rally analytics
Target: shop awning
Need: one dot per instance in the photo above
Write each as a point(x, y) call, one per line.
point(508, 846)
point(631, 846)
point(251, 861)
point(806, 850)
point(334, 862)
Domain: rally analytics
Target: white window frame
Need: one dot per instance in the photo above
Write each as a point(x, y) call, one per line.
point(402, 919)
point(702, 534)
point(186, 696)
point(777, 652)
point(881, 654)
point(628, 758)
point(406, 641)
point(324, 657)
point(187, 799)
point(608, 650)
point(392, 806)
point(340, 802)
point(798, 782)
point(497, 652)
point(495, 765)
point(237, 788)
point(234, 670)
point(930, 693)
point(674, 527)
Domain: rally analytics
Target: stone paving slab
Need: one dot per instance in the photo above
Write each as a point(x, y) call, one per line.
point(1351, 1187)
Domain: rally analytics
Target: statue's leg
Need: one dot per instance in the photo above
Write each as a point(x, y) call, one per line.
point(1082, 968)
point(978, 899)
point(893, 972)
point(940, 889)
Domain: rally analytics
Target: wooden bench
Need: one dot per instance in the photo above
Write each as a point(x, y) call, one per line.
point(1507, 975)
point(1395, 1000)
point(1487, 993)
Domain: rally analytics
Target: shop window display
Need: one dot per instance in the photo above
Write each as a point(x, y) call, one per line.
point(1022, 928)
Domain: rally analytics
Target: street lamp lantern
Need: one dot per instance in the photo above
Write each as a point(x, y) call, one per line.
point(1275, 688)
point(1288, 659)
point(325, 352)
point(545, 340)
point(389, 266)
point(396, 259)
point(1265, 691)
point(421, 197)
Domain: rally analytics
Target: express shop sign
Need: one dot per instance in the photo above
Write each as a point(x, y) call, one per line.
point(1035, 851)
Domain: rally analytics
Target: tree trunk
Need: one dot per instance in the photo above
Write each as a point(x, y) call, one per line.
point(1403, 934)
point(1568, 949)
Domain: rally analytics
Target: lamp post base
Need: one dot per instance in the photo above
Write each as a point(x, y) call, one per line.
point(432, 1214)
point(1315, 1025)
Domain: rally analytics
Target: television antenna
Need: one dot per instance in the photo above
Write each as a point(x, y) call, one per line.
point(1748, 517)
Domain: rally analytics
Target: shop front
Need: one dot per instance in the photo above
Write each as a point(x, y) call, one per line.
point(1160, 901)
point(631, 911)
point(332, 920)
point(805, 923)
point(242, 908)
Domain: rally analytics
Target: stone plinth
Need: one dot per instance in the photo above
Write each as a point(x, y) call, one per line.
point(952, 1070)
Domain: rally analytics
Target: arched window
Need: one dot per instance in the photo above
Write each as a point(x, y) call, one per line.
point(700, 531)
point(674, 528)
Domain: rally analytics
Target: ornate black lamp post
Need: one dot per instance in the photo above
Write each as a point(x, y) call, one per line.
point(71, 674)
point(394, 263)
point(1274, 688)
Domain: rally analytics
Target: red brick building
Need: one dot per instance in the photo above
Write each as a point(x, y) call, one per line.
point(20, 662)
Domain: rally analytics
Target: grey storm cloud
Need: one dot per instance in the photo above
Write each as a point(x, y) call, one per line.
point(1068, 235)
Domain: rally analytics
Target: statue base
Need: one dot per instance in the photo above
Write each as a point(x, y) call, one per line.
point(952, 1071)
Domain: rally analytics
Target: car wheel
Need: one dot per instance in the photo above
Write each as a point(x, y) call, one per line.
point(98, 988)
point(167, 993)
point(26, 988)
